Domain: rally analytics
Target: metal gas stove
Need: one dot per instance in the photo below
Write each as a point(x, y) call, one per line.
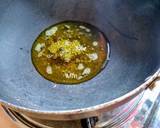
point(142, 111)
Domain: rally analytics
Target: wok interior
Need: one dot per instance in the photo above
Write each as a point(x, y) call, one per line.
point(132, 27)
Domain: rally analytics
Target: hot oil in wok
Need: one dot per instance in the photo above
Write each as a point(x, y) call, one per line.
point(69, 52)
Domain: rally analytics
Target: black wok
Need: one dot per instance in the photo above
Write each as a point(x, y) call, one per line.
point(133, 30)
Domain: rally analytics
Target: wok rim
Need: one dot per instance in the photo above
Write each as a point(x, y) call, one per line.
point(88, 111)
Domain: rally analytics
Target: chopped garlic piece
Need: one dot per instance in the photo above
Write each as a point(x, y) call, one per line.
point(80, 77)
point(39, 47)
point(87, 30)
point(86, 71)
point(41, 53)
point(70, 75)
point(93, 56)
point(67, 42)
point(66, 75)
point(82, 27)
point(49, 56)
point(80, 66)
point(51, 31)
point(67, 59)
point(67, 26)
point(80, 48)
point(95, 43)
point(49, 69)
